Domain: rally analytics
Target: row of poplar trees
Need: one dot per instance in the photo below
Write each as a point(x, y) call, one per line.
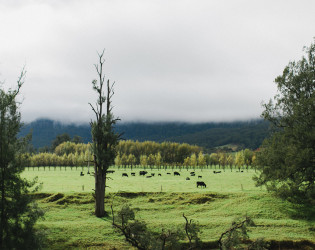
point(148, 153)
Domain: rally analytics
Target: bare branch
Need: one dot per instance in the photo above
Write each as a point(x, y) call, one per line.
point(93, 109)
point(186, 230)
point(233, 228)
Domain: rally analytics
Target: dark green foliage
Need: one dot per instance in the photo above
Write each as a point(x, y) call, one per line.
point(18, 213)
point(77, 139)
point(140, 236)
point(59, 139)
point(192, 230)
point(105, 141)
point(135, 232)
point(287, 159)
point(236, 237)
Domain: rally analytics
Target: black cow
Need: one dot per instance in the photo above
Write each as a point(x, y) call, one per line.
point(81, 174)
point(168, 173)
point(133, 174)
point(216, 172)
point(124, 174)
point(192, 173)
point(187, 178)
point(149, 176)
point(201, 184)
point(152, 174)
point(143, 173)
point(199, 176)
point(110, 171)
point(176, 173)
point(159, 175)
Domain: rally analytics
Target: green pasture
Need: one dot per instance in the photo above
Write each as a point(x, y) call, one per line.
point(70, 223)
point(66, 180)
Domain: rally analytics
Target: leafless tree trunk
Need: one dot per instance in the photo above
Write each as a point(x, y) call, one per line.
point(103, 135)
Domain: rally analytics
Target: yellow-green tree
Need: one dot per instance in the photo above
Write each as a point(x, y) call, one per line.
point(143, 160)
point(193, 160)
point(158, 160)
point(239, 159)
point(201, 160)
point(131, 160)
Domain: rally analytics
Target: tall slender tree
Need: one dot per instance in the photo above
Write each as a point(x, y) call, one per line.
point(18, 213)
point(104, 137)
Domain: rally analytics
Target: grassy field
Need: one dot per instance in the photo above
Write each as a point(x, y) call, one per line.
point(160, 201)
point(70, 181)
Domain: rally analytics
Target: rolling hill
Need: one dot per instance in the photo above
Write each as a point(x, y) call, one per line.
point(246, 134)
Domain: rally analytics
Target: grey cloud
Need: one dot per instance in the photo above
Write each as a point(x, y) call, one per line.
point(171, 60)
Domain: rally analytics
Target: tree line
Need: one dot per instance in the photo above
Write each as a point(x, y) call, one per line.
point(144, 154)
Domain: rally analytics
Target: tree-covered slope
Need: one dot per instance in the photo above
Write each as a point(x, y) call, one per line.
point(249, 134)
point(44, 131)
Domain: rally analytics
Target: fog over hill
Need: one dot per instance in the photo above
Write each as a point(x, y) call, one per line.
point(247, 134)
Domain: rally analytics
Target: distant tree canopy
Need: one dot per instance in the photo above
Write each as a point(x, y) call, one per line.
point(60, 139)
point(170, 152)
point(287, 158)
point(65, 137)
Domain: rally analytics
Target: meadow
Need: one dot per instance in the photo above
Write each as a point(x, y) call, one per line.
point(160, 201)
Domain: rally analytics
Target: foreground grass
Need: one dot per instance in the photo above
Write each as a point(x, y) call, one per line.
point(70, 223)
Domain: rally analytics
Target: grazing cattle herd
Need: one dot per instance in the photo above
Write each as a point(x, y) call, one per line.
point(175, 173)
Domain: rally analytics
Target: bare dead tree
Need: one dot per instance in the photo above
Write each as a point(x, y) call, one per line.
point(126, 228)
point(191, 231)
point(231, 233)
point(104, 137)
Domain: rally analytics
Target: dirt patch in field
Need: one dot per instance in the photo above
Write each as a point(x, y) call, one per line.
point(54, 197)
point(62, 199)
point(189, 198)
point(131, 195)
point(201, 199)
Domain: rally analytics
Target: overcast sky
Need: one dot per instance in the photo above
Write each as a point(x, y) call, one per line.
point(172, 60)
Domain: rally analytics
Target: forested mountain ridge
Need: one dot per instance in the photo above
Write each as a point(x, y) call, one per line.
point(247, 134)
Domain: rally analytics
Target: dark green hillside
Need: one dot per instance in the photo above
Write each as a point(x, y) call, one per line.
point(44, 131)
point(208, 135)
point(249, 134)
